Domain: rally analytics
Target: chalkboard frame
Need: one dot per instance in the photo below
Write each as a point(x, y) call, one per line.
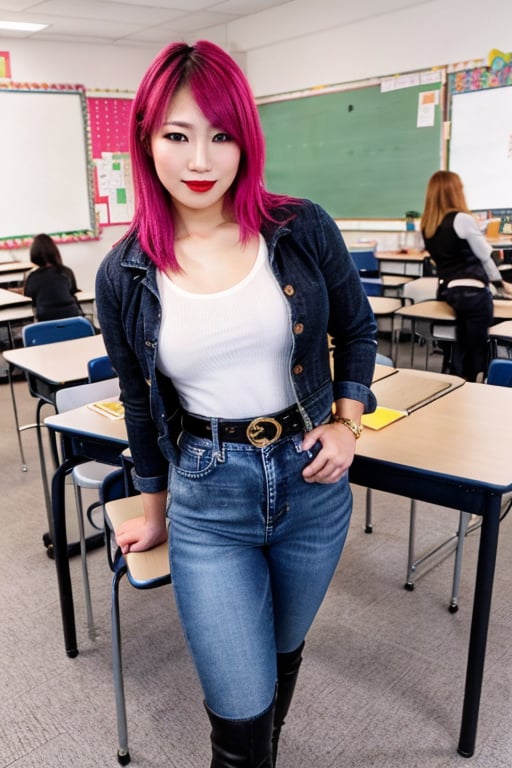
point(47, 172)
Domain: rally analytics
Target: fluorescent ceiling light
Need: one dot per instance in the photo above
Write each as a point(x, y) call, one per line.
point(22, 26)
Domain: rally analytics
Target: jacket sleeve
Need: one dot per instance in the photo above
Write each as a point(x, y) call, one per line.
point(114, 312)
point(352, 325)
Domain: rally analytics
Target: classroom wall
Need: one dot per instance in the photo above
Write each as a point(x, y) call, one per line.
point(357, 43)
point(360, 41)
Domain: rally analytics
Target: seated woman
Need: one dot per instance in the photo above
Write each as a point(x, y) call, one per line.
point(52, 286)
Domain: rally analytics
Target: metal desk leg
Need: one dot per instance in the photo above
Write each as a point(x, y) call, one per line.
point(479, 626)
point(60, 544)
point(16, 419)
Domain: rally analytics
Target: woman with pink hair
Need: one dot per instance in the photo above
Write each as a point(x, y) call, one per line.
point(216, 309)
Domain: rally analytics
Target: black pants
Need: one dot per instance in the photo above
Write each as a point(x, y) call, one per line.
point(474, 314)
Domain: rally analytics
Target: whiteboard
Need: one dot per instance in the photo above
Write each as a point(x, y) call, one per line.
point(44, 164)
point(481, 146)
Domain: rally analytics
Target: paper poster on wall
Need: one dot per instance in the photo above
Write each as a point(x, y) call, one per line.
point(427, 102)
point(114, 195)
point(5, 64)
point(109, 119)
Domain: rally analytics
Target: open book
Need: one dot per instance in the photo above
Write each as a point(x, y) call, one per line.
point(111, 408)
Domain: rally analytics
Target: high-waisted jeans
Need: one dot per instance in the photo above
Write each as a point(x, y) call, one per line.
point(253, 548)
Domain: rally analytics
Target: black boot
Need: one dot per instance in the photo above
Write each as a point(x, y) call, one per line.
point(242, 743)
point(287, 672)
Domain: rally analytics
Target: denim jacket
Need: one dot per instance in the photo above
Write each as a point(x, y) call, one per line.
point(324, 295)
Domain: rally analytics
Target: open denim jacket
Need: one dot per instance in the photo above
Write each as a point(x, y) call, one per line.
point(324, 296)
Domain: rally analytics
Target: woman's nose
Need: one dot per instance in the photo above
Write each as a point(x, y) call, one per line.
point(200, 157)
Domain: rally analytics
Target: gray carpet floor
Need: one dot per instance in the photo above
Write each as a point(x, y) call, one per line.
point(381, 683)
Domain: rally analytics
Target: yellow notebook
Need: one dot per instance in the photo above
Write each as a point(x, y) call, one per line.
point(381, 417)
point(111, 408)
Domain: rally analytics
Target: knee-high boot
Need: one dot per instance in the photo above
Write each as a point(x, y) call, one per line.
point(287, 672)
point(242, 743)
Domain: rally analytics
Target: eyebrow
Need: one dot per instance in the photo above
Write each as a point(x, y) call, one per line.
point(179, 123)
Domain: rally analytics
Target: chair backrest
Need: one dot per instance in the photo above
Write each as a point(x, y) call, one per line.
point(500, 373)
point(366, 263)
point(383, 359)
point(51, 331)
point(373, 286)
point(100, 368)
point(83, 394)
point(421, 289)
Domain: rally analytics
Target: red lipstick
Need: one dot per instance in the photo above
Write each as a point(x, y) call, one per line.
point(200, 186)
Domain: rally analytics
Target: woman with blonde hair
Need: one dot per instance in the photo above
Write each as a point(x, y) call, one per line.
point(465, 270)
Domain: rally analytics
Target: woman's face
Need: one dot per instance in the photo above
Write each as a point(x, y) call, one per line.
point(195, 161)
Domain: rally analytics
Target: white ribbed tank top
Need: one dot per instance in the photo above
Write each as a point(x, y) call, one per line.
point(228, 353)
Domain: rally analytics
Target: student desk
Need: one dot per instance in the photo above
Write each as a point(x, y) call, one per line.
point(501, 332)
point(385, 307)
point(441, 313)
point(398, 459)
point(88, 436)
point(11, 298)
point(14, 271)
point(400, 263)
point(18, 310)
point(53, 366)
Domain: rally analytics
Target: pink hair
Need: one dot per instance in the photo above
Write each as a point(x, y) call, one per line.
point(225, 98)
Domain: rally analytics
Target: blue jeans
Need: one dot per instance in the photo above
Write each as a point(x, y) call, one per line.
point(253, 548)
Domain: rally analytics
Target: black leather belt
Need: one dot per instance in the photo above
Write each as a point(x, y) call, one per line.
point(261, 431)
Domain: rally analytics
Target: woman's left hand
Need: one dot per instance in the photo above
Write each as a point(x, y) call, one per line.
point(334, 458)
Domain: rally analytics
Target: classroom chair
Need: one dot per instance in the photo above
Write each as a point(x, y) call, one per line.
point(33, 334)
point(88, 475)
point(429, 334)
point(100, 368)
point(367, 265)
point(144, 570)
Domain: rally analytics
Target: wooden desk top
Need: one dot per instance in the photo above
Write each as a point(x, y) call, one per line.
point(384, 305)
point(503, 309)
point(409, 255)
point(440, 311)
point(17, 313)
point(501, 330)
point(16, 266)
point(59, 363)
point(11, 298)
point(465, 434)
point(89, 423)
point(411, 389)
point(428, 310)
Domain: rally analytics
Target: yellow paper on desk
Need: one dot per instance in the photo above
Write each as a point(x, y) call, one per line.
point(381, 417)
point(111, 408)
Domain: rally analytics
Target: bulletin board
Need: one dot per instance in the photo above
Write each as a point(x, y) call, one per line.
point(113, 187)
point(363, 152)
point(480, 147)
point(45, 163)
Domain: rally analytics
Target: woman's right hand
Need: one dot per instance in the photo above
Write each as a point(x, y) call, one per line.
point(139, 534)
point(147, 531)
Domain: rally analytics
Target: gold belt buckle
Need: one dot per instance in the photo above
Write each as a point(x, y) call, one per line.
point(257, 427)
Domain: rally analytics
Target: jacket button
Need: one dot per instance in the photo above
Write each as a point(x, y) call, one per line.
point(298, 328)
point(289, 290)
point(298, 369)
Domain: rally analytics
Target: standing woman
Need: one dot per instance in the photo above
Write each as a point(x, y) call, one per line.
point(465, 269)
point(215, 309)
point(52, 286)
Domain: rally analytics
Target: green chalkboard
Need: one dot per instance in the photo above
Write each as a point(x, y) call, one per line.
point(359, 153)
